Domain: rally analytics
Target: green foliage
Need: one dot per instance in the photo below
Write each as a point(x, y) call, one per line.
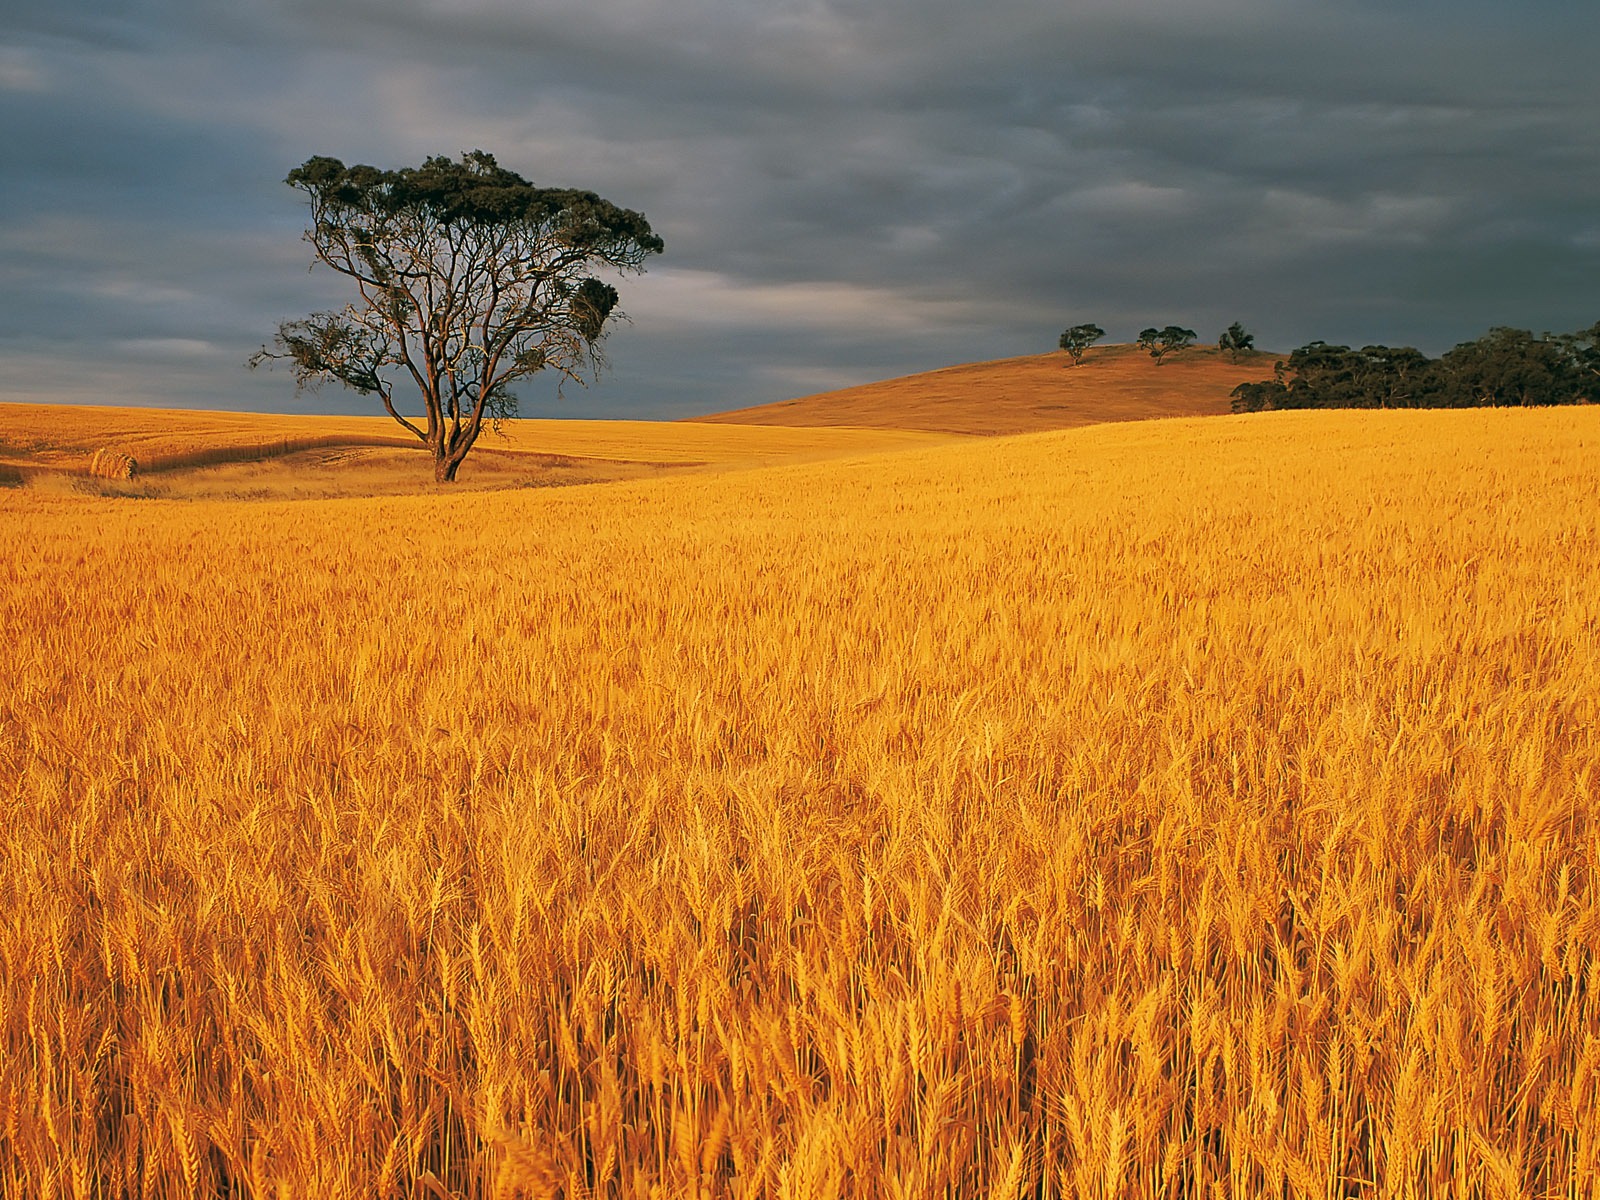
point(1259, 396)
point(1162, 342)
point(592, 305)
point(1236, 340)
point(1503, 367)
point(1077, 340)
point(1509, 367)
point(469, 279)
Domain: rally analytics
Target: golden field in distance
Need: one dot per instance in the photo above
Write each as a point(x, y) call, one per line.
point(1029, 394)
point(189, 454)
point(68, 435)
point(183, 454)
point(1193, 807)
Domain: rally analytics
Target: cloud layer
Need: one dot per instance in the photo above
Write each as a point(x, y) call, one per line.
point(848, 189)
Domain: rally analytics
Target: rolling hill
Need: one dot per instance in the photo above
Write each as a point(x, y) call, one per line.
point(1025, 395)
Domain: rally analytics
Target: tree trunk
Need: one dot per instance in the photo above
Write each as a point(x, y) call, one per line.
point(445, 468)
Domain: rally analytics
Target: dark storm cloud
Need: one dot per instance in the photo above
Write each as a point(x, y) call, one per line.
point(847, 189)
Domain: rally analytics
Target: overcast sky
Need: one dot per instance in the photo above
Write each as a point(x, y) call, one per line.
point(848, 189)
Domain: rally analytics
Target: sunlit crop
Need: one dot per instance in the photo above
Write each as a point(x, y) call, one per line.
point(68, 436)
point(1190, 808)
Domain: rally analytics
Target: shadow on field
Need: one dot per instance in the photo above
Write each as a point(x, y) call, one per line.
point(344, 470)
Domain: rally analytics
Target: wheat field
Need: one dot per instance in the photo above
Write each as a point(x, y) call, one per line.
point(1192, 808)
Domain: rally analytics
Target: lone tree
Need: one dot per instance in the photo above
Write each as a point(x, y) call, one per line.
point(1077, 340)
point(1162, 342)
point(1236, 341)
point(470, 279)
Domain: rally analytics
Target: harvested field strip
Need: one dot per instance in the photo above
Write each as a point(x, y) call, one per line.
point(69, 436)
point(262, 451)
point(16, 473)
point(109, 464)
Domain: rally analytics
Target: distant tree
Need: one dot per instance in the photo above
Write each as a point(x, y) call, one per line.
point(1077, 340)
point(470, 279)
point(1259, 396)
point(1585, 347)
point(1503, 367)
point(1510, 366)
point(1236, 340)
point(1398, 377)
point(1582, 351)
point(1327, 376)
point(1162, 342)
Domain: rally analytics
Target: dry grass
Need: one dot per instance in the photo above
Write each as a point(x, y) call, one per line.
point(1189, 808)
point(1026, 395)
point(68, 436)
point(349, 471)
point(184, 455)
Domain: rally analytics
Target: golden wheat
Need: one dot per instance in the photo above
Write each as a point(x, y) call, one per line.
point(1193, 808)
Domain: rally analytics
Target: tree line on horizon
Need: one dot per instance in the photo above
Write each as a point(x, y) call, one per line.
point(1236, 340)
point(1504, 367)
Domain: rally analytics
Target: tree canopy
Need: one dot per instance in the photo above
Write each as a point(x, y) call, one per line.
point(1503, 367)
point(1077, 340)
point(470, 279)
point(1162, 342)
point(1236, 340)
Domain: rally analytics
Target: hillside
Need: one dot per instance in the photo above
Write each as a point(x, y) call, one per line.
point(1026, 395)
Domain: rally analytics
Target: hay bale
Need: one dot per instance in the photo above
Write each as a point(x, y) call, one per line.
point(112, 464)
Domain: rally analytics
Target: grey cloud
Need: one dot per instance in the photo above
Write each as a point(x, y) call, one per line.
point(847, 189)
